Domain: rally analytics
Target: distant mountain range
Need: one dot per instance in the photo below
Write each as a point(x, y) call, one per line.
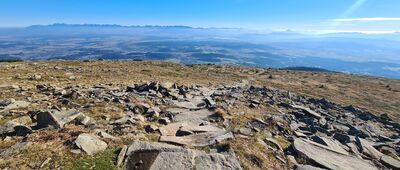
point(61, 25)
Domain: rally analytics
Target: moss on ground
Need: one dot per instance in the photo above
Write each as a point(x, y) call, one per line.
point(101, 161)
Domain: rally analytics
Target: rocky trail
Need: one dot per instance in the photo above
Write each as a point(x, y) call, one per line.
point(192, 127)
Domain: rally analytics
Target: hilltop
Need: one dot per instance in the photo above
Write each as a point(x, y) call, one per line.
point(150, 114)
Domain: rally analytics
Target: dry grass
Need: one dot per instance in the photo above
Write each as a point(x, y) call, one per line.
point(378, 95)
point(253, 155)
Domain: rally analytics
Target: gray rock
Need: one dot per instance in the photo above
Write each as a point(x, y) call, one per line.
point(210, 102)
point(366, 148)
point(193, 103)
point(142, 145)
point(16, 148)
point(8, 87)
point(300, 134)
point(90, 144)
point(216, 161)
point(171, 129)
point(22, 130)
point(390, 162)
point(307, 167)
point(341, 128)
point(164, 121)
point(291, 161)
point(243, 131)
point(200, 129)
point(194, 115)
point(329, 158)
point(202, 139)
point(6, 102)
point(153, 112)
point(148, 155)
point(55, 118)
point(121, 155)
point(308, 110)
point(274, 143)
point(104, 134)
point(389, 151)
point(36, 77)
point(151, 128)
point(11, 104)
point(333, 144)
point(343, 138)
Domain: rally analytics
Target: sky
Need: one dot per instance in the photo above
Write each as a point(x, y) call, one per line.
point(372, 16)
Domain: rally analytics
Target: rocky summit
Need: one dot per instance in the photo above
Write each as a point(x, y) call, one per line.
point(157, 115)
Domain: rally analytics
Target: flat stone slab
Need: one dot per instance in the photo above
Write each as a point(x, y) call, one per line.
point(390, 162)
point(331, 143)
point(308, 110)
point(192, 103)
point(202, 139)
point(56, 119)
point(16, 148)
point(201, 129)
point(176, 110)
point(216, 161)
point(203, 114)
point(90, 144)
point(171, 129)
point(307, 167)
point(329, 158)
point(14, 105)
point(367, 148)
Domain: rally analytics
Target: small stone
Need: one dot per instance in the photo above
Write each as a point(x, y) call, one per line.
point(244, 131)
point(299, 134)
point(36, 77)
point(121, 155)
point(22, 130)
point(291, 161)
point(273, 142)
point(164, 121)
point(343, 138)
point(139, 118)
point(104, 134)
point(76, 151)
point(210, 102)
point(150, 128)
point(153, 112)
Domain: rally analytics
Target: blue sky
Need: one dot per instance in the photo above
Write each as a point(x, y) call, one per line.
point(303, 15)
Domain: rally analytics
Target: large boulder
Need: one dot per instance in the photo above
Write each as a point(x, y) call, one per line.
point(148, 155)
point(329, 158)
point(90, 144)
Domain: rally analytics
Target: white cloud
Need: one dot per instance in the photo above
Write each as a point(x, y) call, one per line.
point(358, 31)
point(366, 19)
